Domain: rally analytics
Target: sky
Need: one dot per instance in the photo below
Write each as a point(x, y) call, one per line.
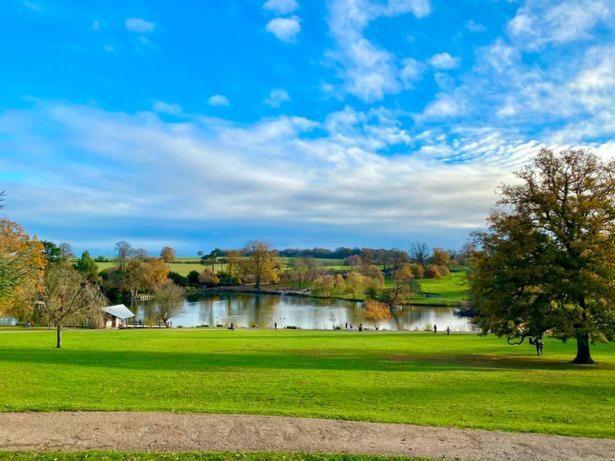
point(202, 124)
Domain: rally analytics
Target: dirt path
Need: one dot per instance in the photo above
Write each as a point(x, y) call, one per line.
point(70, 431)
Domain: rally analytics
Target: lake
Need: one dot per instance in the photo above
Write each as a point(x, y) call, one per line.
point(246, 310)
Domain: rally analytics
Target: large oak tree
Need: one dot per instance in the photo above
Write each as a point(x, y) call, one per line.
point(547, 262)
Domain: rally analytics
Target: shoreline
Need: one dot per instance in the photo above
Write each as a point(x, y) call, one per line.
point(300, 294)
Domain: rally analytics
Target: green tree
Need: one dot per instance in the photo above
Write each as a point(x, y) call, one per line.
point(87, 266)
point(547, 262)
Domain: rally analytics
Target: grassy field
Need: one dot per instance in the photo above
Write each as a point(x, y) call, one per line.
point(457, 380)
point(184, 265)
point(445, 290)
point(189, 456)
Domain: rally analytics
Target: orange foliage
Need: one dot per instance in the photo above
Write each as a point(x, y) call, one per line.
point(24, 255)
point(376, 312)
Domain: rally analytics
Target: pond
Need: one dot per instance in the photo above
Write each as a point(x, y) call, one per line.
point(246, 310)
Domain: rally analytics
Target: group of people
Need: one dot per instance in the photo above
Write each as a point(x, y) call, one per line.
point(435, 329)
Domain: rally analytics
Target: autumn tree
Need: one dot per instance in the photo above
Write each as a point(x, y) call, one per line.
point(418, 271)
point(69, 299)
point(328, 285)
point(167, 254)
point(547, 261)
point(402, 286)
point(356, 283)
point(261, 263)
point(397, 258)
point(144, 276)
point(441, 257)
point(354, 261)
point(375, 313)
point(233, 265)
point(22, 265)
point(303, 271)
point(169, 300)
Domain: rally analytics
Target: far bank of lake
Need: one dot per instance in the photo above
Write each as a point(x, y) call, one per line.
point(247, 310)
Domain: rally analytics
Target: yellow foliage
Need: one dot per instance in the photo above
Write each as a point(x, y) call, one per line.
point(24, 258)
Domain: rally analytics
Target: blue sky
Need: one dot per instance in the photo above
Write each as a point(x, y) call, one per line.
point(203, 124)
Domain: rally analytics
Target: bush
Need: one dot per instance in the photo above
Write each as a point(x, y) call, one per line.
point(193, 278)
point(178, 279)
point(226, 279)
point(208, 278)
point(432, 272)
point(417, 270)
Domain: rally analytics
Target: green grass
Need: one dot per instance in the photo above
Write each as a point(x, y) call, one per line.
point(185, 265)
point(444, 290)
point(457, 380)
point(182, 268)
point(190, 456)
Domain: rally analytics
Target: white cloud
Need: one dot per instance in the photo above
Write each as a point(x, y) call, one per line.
point(473, 26)
point(444, 61)
point(277, 97)
point(218, 100)
point(539, 23)
point(167, 108)
point(285, 29)
point(411, 71)
point(281, 6)
point(368, 71)
point(443, 106)
point(139, 25)
point(195, 172)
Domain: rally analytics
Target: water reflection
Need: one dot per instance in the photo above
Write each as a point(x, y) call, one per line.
point(247, 310)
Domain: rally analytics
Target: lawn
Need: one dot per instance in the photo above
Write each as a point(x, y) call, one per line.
point(457, 380)
point(444, 290)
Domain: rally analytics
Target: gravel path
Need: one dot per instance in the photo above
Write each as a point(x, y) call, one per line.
point(68, 431)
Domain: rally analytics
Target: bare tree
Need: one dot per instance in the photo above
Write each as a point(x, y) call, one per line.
point(69, 299)
point(419, 252)
point(169, 301)
point(66, 251)
point(124, 252)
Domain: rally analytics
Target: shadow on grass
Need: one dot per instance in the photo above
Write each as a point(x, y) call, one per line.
point(336, 360)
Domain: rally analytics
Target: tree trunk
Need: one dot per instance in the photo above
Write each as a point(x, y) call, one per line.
point(58, 335)
point(583, 354)
point(258, 283)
